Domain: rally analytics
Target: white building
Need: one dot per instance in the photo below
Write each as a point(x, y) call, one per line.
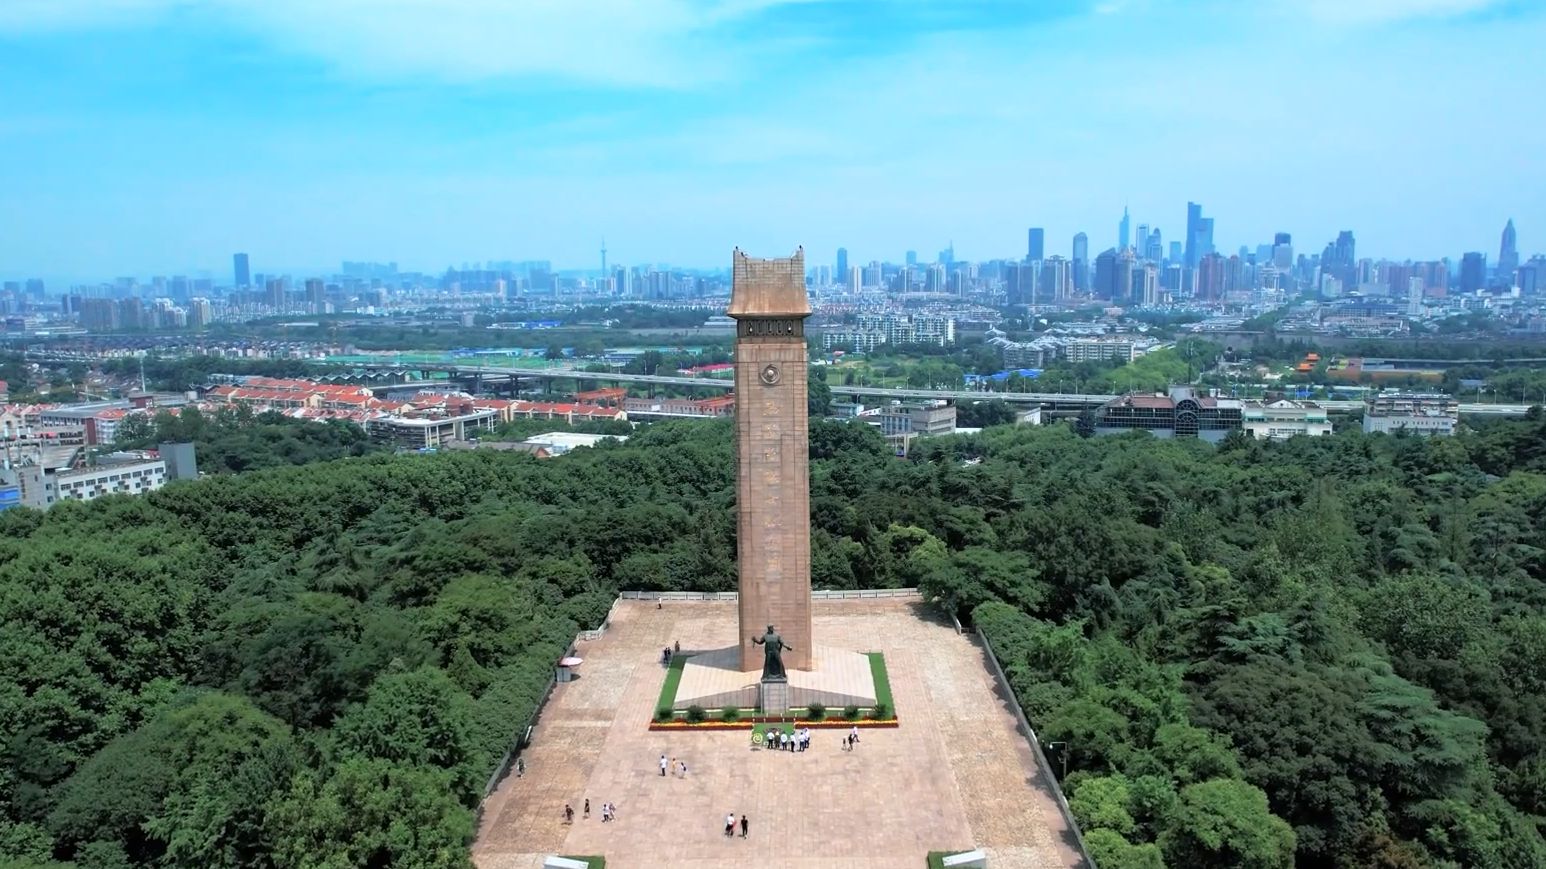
point(1283, 419)
point(86, 484)
point(1423, 414)
point(559, 442)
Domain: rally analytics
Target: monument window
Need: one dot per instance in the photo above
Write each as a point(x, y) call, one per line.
point(792, 327)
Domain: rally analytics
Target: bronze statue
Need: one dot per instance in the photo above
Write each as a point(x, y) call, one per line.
point(773, 660)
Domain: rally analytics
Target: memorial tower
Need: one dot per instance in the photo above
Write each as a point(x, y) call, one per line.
point(772, 430)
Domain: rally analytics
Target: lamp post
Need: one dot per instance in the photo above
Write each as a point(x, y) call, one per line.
point(1062, 750)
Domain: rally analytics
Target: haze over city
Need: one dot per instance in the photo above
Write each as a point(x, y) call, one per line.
point(155, 136)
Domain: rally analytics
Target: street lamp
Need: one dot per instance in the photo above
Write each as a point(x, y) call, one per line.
point(1062, 750)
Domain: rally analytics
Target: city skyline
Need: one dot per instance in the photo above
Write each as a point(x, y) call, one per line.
point(437, 134)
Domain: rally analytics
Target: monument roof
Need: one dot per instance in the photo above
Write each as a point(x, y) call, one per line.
point(768, 287)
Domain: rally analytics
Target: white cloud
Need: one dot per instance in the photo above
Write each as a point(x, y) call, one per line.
point(1355, 12)
point(26, 16)
point(627, 42)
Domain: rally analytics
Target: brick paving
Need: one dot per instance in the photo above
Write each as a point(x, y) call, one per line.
point(956, 774)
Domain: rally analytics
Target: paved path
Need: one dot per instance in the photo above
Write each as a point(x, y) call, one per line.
point(956, 774)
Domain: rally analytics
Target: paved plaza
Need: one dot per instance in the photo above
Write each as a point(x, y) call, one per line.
point(955, 775)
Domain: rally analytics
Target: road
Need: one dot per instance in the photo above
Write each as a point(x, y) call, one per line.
point(1059, 400)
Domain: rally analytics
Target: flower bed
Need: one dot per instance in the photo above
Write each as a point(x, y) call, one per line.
point(753, 722)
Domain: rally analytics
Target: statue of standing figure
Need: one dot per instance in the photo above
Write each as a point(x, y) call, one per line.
point(773, 658)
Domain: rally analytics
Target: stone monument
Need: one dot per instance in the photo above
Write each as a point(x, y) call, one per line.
point(769, 305)
point(775, 665)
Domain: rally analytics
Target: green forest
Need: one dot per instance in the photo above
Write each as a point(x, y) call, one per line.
point(1324, 653)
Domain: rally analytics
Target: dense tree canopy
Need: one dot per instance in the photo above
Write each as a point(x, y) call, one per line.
point(1324, 653)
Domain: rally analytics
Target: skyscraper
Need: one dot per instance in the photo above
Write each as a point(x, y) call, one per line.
point(912, 258)
point(1193, 230)
point(243, 272)
point(1141, 240)
point(1210, 277)
point(316, 296)
point(1035, 245)
point(1473, 272)
point(1508, 254)
point(1154, 248)
point(1081, 263)
point(1106, 274)
point(1054, 280)
point(842, 261)
point(1283, 251)
point(1124, 230)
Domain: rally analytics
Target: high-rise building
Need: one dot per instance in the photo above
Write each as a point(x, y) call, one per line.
point(1123, 230)
point(1122, 281)
point(1145, 288)
point(200, 313)
point(243, 271)
point(948, 255)
point(912, 258)
point(1210, 277)
point(1532, 276)
point(1081, 262)
point(1141, 240)
point(1035, 245)
point(1056, 279)
point(1175, 252)
point(276, 294)
point(1106, 274)
point(1473, 272)
point(934, 278)
point(842, 261)
point(316, 296)
point(1154, 247)
point(1508, 254)
point(1283, 251)
point(1193, 227)
point(1020, 283)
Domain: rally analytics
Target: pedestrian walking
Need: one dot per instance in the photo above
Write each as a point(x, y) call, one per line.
point(853, 733)
point(673, 766)
point(568, 813)
point(677, 648)
point(744, 826)
point(587, 807)
point(684, 769)
point(662, 765)
point(730, 824)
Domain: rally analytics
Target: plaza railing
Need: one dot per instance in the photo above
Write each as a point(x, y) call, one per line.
point(1041, 757)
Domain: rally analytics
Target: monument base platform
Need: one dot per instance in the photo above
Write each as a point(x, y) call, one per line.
point(714, 680)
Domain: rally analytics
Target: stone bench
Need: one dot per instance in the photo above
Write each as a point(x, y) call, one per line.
point(969, 860)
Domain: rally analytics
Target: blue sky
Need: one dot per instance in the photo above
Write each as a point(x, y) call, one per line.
point(158, 136)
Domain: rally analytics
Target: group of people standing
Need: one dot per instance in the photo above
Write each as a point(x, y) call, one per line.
point(730, 825)
point(799, 740)
point(608, 812)
point(678, 767)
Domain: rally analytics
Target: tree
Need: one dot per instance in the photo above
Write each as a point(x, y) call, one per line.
point(819, 393)
point(414, 719)
point(1227, 823)
point(370, 812)
point(187, 788)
